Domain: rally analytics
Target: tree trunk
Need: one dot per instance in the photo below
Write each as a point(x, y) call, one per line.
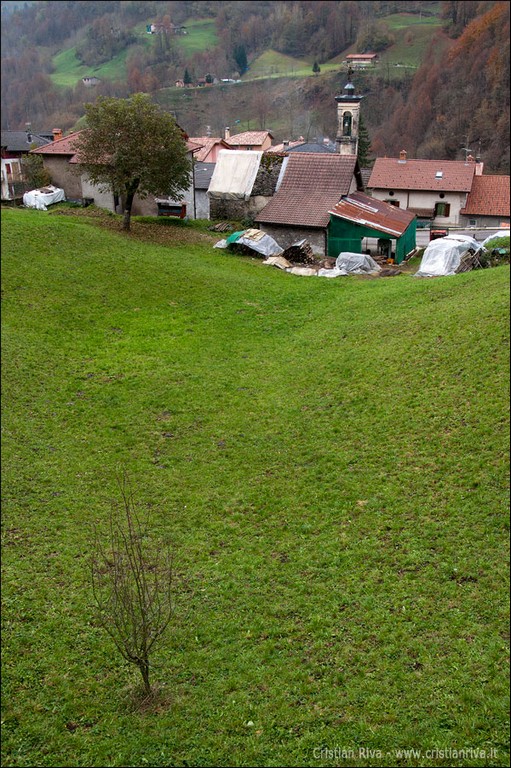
point(130, 194)
point(144, 671)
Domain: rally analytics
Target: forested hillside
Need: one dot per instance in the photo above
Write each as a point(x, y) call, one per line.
point(443, 79)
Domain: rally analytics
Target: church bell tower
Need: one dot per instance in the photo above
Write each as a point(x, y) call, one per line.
point(348, 119)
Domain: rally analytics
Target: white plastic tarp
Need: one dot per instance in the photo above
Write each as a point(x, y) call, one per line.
point(260, 242)
point(42, 198)
point(443, 256)
point(355, 264)
point(234, 175)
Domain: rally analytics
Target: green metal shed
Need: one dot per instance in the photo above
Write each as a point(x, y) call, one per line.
point(357, 216)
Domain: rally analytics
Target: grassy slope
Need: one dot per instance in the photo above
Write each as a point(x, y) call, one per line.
point(330, 459)
point(201, 35)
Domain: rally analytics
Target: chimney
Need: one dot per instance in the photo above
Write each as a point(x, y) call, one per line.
point(285, 144)
point(28, 129)
point(57, 134)
point(208, 131)
point(227, 134)
point(402, 156)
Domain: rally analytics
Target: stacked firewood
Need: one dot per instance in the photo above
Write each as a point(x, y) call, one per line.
point(300, 253)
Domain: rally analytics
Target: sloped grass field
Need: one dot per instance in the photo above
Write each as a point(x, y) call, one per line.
point(329, 459)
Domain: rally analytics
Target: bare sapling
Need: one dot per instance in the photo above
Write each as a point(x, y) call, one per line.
point(131, 584)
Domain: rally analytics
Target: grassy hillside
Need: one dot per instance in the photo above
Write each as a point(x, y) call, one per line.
point(329, 459)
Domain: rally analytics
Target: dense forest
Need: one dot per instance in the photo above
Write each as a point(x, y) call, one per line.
point(458, 93)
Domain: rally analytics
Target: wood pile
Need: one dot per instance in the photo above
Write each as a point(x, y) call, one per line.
point(469, 261)
point(300, 253)
point(222, 226)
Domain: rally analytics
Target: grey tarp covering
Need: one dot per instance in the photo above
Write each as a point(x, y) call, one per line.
point(41, 198)
point(443, 256)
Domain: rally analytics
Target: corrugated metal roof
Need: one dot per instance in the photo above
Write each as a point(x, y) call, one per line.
point(489, 196)
point(376, 214)
point(311, 186)
point(441, 175)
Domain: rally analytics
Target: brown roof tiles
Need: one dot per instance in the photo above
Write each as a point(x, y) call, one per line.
point(489, 196)
point(312, 184)
point(441, 175)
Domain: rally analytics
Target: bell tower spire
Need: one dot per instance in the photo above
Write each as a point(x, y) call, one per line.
point(348, 118)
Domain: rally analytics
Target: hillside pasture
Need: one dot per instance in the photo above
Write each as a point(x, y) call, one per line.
point(328, 459)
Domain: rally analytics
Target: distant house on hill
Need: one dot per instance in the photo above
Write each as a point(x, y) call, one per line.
point(435, 190)
point(90, 81)
point(487, 203)
point(361, 60)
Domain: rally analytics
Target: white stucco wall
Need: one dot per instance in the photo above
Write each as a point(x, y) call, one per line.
point(426, 200)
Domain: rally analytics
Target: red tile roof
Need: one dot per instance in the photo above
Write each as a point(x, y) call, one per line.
point(373, 213)
point(312, 185)
point(489, 196)
point(62, 146)
point(391, 173)
point(207, 143)
point(255, 138)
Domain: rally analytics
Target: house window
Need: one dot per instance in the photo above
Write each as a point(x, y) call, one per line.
point(8, 168)
point(395, 203)
point(472, 222)
point(442, 209)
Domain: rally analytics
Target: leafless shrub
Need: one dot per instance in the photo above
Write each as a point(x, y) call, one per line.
point(131, 584)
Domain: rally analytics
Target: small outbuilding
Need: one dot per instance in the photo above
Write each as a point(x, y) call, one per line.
point(357, 216)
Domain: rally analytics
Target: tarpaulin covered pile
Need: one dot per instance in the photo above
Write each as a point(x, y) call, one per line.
point(444, 256)
point(42, 198)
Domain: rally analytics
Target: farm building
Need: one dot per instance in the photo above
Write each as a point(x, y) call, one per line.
point(357, 216)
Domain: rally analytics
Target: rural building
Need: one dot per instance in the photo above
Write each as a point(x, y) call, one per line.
point(209, 148)
point(249, 140)
point(14, 145)
point(435, 190)
point(61, 161)
point(243, 182)
point(487, 203)
point(361, 60)
point(357, 216)
point(56, 159)
point(202, 178)
point(309, 186)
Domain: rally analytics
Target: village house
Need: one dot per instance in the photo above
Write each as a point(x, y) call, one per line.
point(435, 190)
point(249, 140)
point(209, 148)
point(61, 161)
point(487, 203)
point(14, 146)
point(243, 182)
point(202, 173)
point(310, 185)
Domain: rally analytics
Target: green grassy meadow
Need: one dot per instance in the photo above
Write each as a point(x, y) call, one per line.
point(328, 458)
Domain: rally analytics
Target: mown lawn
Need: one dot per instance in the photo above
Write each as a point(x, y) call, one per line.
point(329, 459)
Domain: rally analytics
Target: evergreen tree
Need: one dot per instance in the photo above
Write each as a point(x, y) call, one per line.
point(240, 57)
point(364, 145)
point(316, 68)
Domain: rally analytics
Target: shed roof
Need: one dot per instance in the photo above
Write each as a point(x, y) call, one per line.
point(312, 184)
point(489, 196)
point(427, 175)
point(203, 173)
point(376, 214)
